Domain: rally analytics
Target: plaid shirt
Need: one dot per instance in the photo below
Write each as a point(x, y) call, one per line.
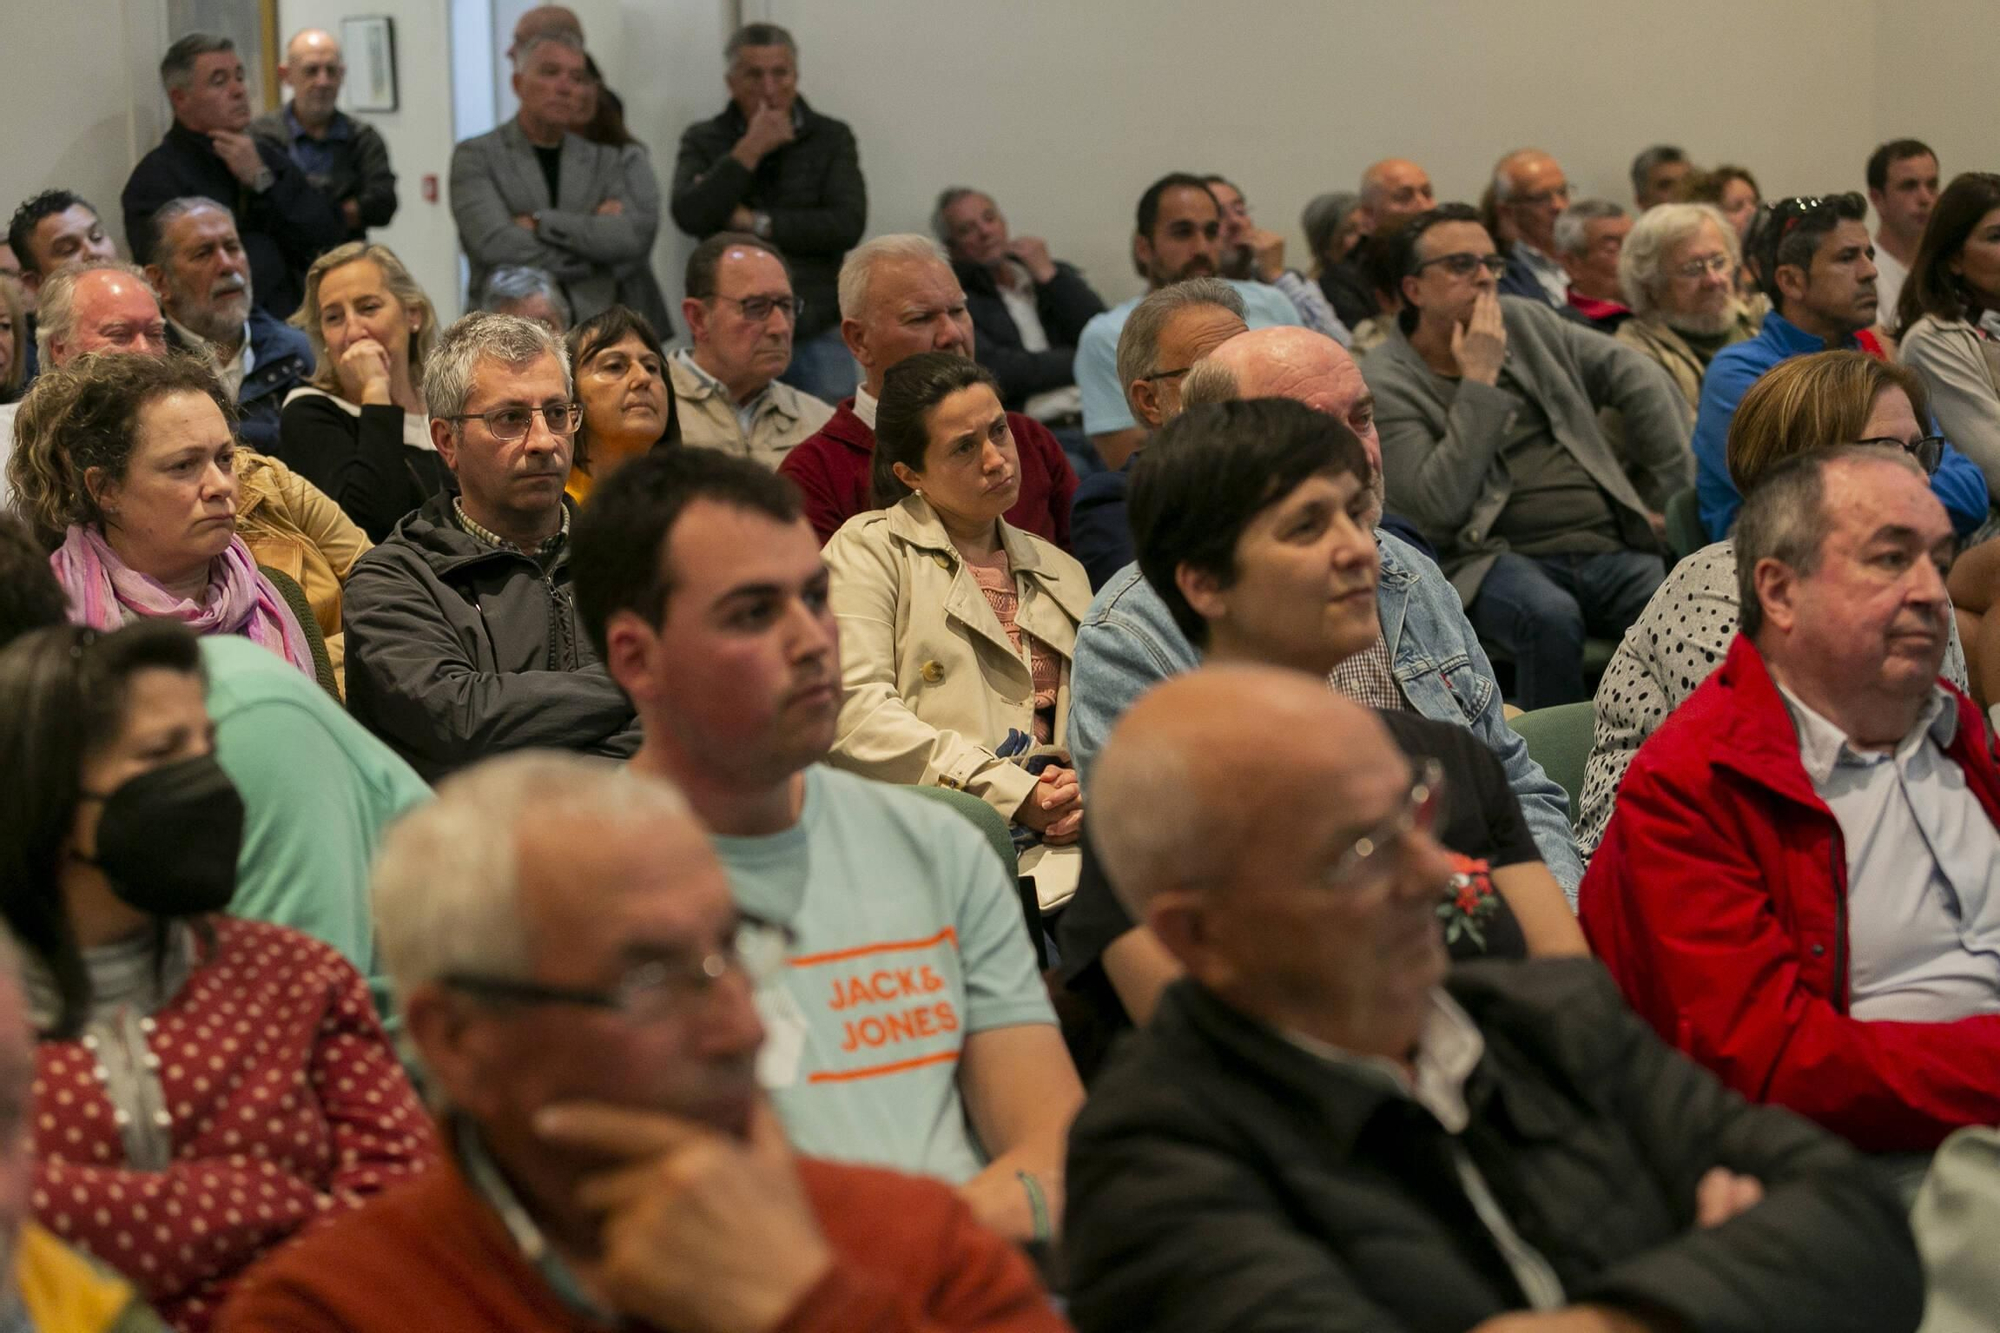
point(541, 554)
point(1366, 679)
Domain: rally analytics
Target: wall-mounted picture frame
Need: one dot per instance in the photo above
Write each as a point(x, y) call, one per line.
point(369, 42)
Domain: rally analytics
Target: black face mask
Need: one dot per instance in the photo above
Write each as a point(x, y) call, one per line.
point(168, 839)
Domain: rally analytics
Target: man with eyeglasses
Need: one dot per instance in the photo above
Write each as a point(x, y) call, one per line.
point(741, 313)
point(1589, 237)
point(1323, 1127)
point(581, 990)
point(462, 632)
point(1816, 263)
point(1530, 192)
point(1488, 409)
point(1677, 270)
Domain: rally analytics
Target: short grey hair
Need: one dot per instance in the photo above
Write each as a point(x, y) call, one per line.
point(1642, 263)
point(1573, 224)
point(55, 311)
point(1209, 381)
point(513, 283)
point(946, 198)
point(557, 36)
point(1643, 166)
point(508, 339)
point(1139, 342)
point(447, 881)
point(167, 214)
point(859, 267)
point(177, 65)
point(1785, 518)
point(758, 34)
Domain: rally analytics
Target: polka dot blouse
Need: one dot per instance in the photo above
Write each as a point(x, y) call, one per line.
point(1677, 642)
point(284, 1104)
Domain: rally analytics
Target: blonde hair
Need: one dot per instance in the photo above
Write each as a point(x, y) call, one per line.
point(16, 303)
point(401, 285)
point(1811, 402)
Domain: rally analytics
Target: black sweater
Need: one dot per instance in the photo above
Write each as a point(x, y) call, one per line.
point(361, 461)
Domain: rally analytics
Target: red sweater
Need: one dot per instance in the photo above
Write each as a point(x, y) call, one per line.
point(908, 1258)
point(287, 1103)
point(832, 469)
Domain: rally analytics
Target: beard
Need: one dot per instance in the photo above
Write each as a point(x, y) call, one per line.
point(1703, 326)
point(219, 318)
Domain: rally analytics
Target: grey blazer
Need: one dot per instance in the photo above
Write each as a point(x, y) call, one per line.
point(495, 178)
point(1441, 438)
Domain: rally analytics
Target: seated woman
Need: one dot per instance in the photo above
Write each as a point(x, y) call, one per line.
point(358, 430)
point(14, 338)
point(957, 629)
point(628, 405)
point(206, 1087)
point(127, 465)
point(1808, 402)
point(1949, 318)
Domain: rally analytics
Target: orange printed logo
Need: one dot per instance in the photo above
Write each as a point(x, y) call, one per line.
point(884, 1004)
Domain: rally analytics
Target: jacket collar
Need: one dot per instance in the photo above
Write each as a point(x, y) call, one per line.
point(1791, 340)
point(434, 532)
point(912, 520)
point(184, 138)
point(803, 117)
point(975, 279)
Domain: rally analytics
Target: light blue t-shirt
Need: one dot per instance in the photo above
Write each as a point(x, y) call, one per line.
point(1096, 366)
point(908, 936)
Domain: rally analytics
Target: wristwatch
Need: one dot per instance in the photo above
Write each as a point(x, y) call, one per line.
point(266, 178)
point(760, 225)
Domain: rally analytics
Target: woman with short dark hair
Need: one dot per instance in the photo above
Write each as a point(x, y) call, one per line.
point(1950, 317)
point(628, 402)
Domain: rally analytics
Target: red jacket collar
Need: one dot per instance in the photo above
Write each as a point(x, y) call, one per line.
point(1592, 308)
point(844, 428)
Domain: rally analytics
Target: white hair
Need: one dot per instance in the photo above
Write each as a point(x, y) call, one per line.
point(447, 881)
point(55, 309)
point(525, 52)
point(861, 262)
point(1573, 226)
point(483, 336)
point(1641, 263)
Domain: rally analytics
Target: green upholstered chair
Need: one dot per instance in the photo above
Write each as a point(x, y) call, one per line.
point(1559, 740)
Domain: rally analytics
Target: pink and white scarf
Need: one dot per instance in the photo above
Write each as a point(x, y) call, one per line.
point(105, 592)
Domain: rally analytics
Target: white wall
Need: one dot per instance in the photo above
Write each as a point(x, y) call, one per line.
point(1934, 80)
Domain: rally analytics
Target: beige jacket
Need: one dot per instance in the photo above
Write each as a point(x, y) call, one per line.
point(785, 418)
point(292, 526)
point(931, 682)
point(1962, 371)
point(1660, 342)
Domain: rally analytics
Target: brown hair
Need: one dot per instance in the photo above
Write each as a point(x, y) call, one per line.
point(1811, 402)
point(1932, 288)
point(1706, 187)
point(11, 372)
point(326, 375)
point(600, 333)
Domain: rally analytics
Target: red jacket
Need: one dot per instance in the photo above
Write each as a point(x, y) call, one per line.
point(1718, 900)
point(832, 469)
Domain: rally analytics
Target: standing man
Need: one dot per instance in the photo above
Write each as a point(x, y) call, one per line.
point(284, 223)
point(532, 193)
point(344, 159)
point(1531, 192)
point(1902, 188)
point(772, 166)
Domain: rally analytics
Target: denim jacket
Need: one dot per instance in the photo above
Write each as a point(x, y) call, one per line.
point(1128, 642)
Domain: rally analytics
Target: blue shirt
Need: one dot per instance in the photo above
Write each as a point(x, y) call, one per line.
point(1959, 484)
point(1104, 406)
point(314, 156)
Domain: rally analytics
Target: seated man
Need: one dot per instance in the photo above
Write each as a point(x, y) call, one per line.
point(1167, 333)
point(202, 273)
point(531, 293)
point(1589, 235)
point(1322, 1128)
point(899, 297)
point(1250, 253)
point(1815, 262)
point(1028, 310)
point(49, 231)
point(578, 986)
point(1490, 444)
point(1657, 173)
point(1798, 884)
point(741, 315)
point(910, 1029)
point(1530, 193)
point(462, 630)
point(1179, 236)
point(1677, 271)
point(1393, 191)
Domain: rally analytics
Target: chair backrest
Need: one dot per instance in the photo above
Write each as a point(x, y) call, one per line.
point(1559, 740)
point(1685, 534)
point(993, 824)
point(295, 598)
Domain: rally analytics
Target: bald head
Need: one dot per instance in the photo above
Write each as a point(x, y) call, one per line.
point(1393, 191)
point(103, 306)
point(1532, 192)
point(314, 70)
point(545, 21)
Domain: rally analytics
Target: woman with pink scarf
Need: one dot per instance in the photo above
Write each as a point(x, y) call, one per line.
point(127, 462)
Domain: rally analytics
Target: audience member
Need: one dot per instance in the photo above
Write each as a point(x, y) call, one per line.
point(359, 429)
point(1529, 193)
point(534, 193)
point(1178, 236)
point(1028, 309)
point(1809, 402)
point(1393, 191)
point(1947, 318)
point(1657, 173)
point(703, 587)
point(528, 292)
point(342, 158)
point(600, 119)
point(208, 1087)
point(541, 21)
point(203, 275)
point(579, 988)
point(15, 338)
point(51, 230)
point(1677, 271)
point(1172, 327)
point(933, 692)
point(208, 153)
point(128, 468)
point(1731, 189)
point(1253, 530)
point(1818, 269)
point(1590, 235)
point(1332, 223)
point(627, 403)
point(1324, 1128)
point(898, 297)
point(462, 631)
point(1793, 887)
point(1252, 254)
point(1490, 444)
point(741, 315)
point(1902, 188)
point(772, 166)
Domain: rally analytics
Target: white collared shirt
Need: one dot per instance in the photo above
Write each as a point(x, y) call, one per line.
point(1050, 404)
point(864, 407)
point(232, 373)
point(1552, 275)
point(1923, 869)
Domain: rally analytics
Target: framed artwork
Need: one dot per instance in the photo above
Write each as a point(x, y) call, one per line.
point(251, 24)
point(370, 46)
